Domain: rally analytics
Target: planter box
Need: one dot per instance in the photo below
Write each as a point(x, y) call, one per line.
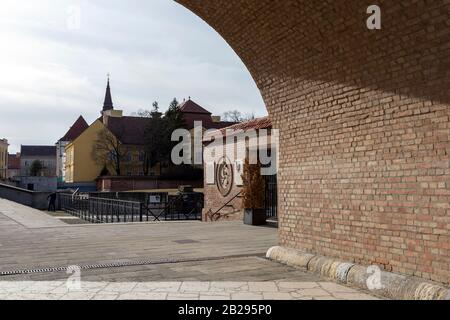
point(255, 217)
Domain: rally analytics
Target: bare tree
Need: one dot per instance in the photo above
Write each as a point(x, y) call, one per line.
point(142, 113)
point(237, 116)
point(108, 151)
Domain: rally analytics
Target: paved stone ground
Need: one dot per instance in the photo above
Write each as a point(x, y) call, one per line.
point(180, 290)
point(24, 216)
point(63, 245)
point(66, 218)
point(191, 260)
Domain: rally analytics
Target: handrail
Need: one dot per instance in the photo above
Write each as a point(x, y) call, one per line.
point(105, 210)
point(212, 215)
point(115, 200)
point(100, 199)
point(7, 186)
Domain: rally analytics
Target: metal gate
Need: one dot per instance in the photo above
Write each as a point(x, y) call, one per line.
point(271, 197)
point(175, 207)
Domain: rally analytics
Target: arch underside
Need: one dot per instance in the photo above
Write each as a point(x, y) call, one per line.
point(364, 120)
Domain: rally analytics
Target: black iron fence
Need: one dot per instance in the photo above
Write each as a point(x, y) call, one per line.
point(271, 197)
point(107, 208)
point(99, 210)
point(175, 207)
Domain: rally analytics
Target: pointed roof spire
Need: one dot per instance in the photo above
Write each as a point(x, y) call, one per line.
point(108, 104)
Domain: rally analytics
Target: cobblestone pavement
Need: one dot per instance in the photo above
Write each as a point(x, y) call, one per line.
point(187, 260)
point(180, 290)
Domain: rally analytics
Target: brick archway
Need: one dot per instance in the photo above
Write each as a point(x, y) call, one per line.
point(364, 118)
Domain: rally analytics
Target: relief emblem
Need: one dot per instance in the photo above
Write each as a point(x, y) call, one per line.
point(224, 176)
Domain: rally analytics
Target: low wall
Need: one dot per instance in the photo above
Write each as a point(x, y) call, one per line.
point(117, 184)
point(214, 200)
point(39, 184)
point(37, 200)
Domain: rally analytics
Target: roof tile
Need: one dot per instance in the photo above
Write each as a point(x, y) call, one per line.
point(190, 106)
point(13, 161)
point(75, 130)
point(129, 130)
point(38, 151)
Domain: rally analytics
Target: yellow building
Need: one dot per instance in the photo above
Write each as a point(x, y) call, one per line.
point(84, 166)
point(80, 165)
point(3, 158)
point(86, 160)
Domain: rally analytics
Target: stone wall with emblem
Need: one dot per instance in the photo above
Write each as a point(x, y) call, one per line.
point(223, 179)
point(223, 183)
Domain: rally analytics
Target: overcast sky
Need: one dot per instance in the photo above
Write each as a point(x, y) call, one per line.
point(54, 62)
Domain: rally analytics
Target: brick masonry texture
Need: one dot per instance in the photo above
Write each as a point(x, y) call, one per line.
point(364, 123)
point(214, 200)
point(132, 183)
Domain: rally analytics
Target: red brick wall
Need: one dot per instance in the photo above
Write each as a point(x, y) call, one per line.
point(214, 200)
point(364, 119)
point(116, 184)
point(233, 202)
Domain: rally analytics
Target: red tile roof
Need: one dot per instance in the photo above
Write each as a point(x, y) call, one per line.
point(193, 112)
point(259, 123)
point(190, 106)
point(255, 124)
point(129, 130)
point(77, 128)
point(207, 121)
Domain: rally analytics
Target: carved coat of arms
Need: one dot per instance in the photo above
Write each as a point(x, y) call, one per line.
point(224, 176)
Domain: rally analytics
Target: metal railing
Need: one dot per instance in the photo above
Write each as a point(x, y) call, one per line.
point(109, 210)
point(175, 208)
point(217, 215)
point(97, 210)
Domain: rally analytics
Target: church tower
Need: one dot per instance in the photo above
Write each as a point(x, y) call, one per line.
point(108, 107)
point(108, 104)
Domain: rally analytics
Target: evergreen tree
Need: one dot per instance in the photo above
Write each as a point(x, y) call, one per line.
point(158, 134)
point(155, 140)
point(174, 116)
point(36, 168)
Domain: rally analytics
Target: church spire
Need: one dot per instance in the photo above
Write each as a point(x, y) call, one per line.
point(108, 104)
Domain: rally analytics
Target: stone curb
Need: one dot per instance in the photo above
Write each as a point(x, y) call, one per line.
point(386, 284)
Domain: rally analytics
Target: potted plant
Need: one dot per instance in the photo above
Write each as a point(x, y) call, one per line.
point(253, 195)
